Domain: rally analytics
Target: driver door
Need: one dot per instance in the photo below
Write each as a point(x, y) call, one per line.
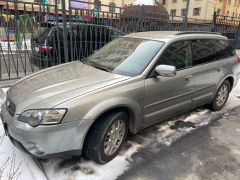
point(165, 96)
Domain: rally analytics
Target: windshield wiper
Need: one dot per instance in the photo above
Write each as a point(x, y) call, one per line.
point(101, 68)
point(98, 66)
point(95, 65)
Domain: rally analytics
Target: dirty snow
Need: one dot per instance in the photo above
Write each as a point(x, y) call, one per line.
point(156, 137)
point(85, 169)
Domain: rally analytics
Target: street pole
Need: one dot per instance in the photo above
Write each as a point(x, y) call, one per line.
point(185, 20)
point(65, 41)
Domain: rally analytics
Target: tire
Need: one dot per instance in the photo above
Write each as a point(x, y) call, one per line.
point(215, 104)
point(96, 146)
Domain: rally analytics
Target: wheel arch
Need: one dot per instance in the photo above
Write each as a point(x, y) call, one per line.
point(229, 78)
point(132, 109)
point(231, 81)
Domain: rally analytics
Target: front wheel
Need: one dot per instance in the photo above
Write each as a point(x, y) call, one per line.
point(106, 137)
point(221, 96)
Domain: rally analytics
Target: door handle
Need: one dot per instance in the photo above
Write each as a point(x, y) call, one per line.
point(189, 78)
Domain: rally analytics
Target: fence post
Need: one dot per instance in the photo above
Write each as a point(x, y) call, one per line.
point(142, 16)
point(213, 26)
point(185, 19)
point(65, 41)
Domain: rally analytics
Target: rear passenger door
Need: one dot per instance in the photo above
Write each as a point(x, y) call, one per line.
point(208, 67)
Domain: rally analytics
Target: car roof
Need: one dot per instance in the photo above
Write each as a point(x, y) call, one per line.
point(177, 35)
point(77, 24)
point(69, 24)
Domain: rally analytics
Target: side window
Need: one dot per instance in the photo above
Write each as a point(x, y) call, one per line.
point(208, 50)
point(223, 49)
point(203, 51)
point(178, 54)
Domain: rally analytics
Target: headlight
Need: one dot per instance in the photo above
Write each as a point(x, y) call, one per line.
point(45, 116)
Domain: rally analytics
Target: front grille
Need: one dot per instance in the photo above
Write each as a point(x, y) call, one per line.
point(10, 106)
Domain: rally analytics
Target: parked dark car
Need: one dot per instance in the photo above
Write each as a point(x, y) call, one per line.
point(233, 38)
point(83, 40)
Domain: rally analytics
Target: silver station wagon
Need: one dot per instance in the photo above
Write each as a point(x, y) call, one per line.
point(90, 106)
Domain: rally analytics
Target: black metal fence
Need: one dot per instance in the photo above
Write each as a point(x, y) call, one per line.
point(34, 36)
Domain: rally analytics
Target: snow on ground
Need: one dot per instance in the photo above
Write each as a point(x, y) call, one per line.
point(79, 168)
point(15, 164)
point(144, 2)
point(156, 137)
point(7, 47)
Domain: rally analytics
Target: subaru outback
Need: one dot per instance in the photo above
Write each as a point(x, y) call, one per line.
point(90, 106)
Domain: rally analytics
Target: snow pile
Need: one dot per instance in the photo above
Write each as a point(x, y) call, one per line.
point(79, 168)
point(15, 164)
point(144, 2)
point(234, 97)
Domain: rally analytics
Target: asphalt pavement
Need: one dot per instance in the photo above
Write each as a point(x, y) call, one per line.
point(209, 153)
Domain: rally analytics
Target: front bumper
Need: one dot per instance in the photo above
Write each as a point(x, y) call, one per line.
point(45, 141)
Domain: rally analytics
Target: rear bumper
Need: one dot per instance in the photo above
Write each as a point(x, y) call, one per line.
point(40, 61)
point(62, 140)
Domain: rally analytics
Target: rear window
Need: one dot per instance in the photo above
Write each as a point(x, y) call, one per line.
point(40, 33)
point(208, 50)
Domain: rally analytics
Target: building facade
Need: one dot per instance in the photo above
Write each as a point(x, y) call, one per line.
point(198, 9)
point(202, 9)
point(228, 8)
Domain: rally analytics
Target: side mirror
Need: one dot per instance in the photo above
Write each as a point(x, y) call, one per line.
point(166, 70)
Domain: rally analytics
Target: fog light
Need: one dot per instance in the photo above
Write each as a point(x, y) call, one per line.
point(35, 149)
point(39, 148)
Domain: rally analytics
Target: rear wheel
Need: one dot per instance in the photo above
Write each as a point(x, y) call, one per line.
point(221, 96)
point(106, 137)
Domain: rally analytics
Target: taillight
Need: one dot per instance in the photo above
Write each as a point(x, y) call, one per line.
point(45, 49)
point(238, 59)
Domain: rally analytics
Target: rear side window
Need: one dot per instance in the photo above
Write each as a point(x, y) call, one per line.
point(223, 49)
point(40, 34)
point(208, 50)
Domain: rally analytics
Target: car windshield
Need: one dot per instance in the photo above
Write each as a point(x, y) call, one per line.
point(125, 56)
point(40, 34)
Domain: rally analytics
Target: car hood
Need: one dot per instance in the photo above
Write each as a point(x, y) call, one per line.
point(56, 85)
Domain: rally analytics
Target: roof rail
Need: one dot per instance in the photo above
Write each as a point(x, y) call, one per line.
point(197, 32)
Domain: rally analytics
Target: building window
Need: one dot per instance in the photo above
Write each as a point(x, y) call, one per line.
point(184, 0)
point(112, 7)
point(183, 12)
point(235, 3)
point(97, 5)
point(173, 12)
point(196, 11)
point(229, 2)
point(174, 1)
point(218, 11)
point(163, 2)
